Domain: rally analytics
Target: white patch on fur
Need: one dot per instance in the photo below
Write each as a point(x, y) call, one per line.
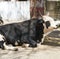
point(43, 39)
point(1, 37)
point(44, 35)
point(25, 45)
point(10, 47)
point(16, 43)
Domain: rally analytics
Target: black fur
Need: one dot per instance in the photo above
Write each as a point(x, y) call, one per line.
point(30, 31)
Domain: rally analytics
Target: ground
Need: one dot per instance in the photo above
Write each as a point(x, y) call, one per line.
point(45, 51)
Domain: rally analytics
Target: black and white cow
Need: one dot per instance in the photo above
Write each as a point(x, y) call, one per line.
point(30, 32)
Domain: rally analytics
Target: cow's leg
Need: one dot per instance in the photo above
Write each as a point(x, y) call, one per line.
point(32, 43)
point(10, 47)
point(1, 44)
point(1, 41)
point(32, 33)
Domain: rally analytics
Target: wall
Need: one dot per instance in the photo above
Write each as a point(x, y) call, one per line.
point(54, 8)
point(15, 11)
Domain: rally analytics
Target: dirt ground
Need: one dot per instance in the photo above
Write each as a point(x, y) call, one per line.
point(41, 52)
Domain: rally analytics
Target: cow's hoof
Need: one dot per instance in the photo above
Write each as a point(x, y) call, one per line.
point(2, 47)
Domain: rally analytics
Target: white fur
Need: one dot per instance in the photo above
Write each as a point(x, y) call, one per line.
point(1, 37)
point(6, 46)
point(50, 19)
point(9, 47)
